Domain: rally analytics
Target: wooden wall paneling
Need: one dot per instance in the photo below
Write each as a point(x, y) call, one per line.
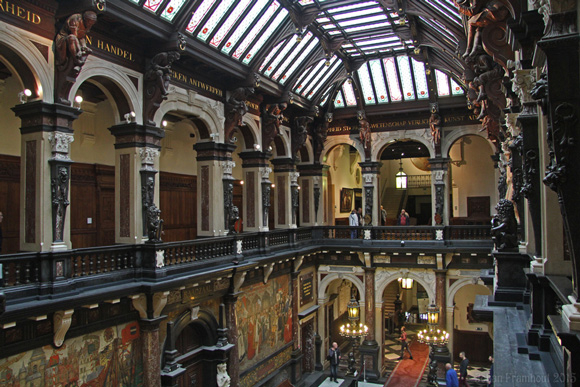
point(239, 200)
point(83, 206)
point(105, 176)
point(10, 203)
point(478, 346)
point(178, 205)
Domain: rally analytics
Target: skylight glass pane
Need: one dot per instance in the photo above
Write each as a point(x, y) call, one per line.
point(244, 25)
point(339, 101)
point(199, 15)
point(367, 87)
point(392, 80)
point(152, 5)
point(455, 88)
point(281, 16)
point(135, 1)
point(230, 21)
point(406, 78)
point(353, 6)
point(308, 92)
point(364, 20)
point(420, 79)
point(288, 59)
point(306, 2)
point(442, 83)
point(271, 54)
point(325, 96)
point(367, 27)
point(357, 14)
point(299, 61)
point(171, 10)
point(349, 93)
point(379, 80)
point(214, 19)
point(290, 44)
point(324, 79)
point(302, 83)
point(254, 32)
point(385, 39)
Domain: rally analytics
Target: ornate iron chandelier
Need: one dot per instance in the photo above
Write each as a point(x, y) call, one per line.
point(353, 329)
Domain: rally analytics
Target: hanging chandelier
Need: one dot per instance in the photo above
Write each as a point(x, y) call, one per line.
point(401, 177)
point(353, 329)
point(432, 335)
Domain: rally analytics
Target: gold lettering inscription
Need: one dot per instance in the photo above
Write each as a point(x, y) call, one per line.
point(195, 83)
point(19, 12)
point(111, 49)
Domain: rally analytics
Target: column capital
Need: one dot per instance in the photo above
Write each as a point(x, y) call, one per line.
point(133, 135)
point(373, 167)
point(254, 158)
point(39, 116)
point(311, 170)
point(439, 163)
point(210, 150)
point(285, 164)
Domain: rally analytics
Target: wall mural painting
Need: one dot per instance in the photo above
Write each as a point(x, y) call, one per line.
point(111, 357)
point(264, 319)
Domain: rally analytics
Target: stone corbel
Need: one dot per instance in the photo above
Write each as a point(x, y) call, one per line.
point(268, 271)
point(139, 302)
point(61, 320)
point(159, 302)
point(239, 279)
point(298, 262)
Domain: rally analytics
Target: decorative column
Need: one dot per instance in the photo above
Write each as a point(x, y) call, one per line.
point(282, 195)
point(230, 301)
point(46, 133)
point(151, 351)
point(369, 349)
point(322, 330)
point(150, 212)
point(294, 190)
point(266, 187)
point(371, 193)
point(311, 183)
point(136, 150)
point(214, 185)
point(440, 296)
point(297, 351)
point(440, 190)
point(254, 164)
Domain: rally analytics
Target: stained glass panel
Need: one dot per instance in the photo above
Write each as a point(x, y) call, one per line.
point(308, 92)
point(271, 54)
point(379, 80)
point(420, 79)
point(299, 61)
point(328, 74)
point(232, 18)
point(349, 93)
point(455, 88)
point(442, 83)
point(367, 87)
point(215, 18)
point(199, 15)
point(172, 9)
point(325, 96)
point(339, 101)
point(302, 82)
point(392, 80)
point(290, 44)
point(248, 20)
point(289, 58)
point(265, 36)
point(152, 5)
point(406, 78)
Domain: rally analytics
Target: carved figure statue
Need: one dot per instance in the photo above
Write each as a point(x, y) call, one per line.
point(435, 125)
point(272, 118)
point(364, 131)
point(158, 72)
point(154, 223)
point(223, 379)
point(478, 15)
point(233, 218)
point(70, 43)
point(60, 202)
point(236, 108)
point(300, 132)
point(504, 226)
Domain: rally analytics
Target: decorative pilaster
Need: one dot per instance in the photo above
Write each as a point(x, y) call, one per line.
point(440, 299)
point(254, 164)
point(266, 188)
point(369, 349)
point(45, 169)
point(297, 352)
point(440, 188)
point(294, 188)
point(231, 319)
point(282, 195)
point(136, 154)
point(312, 181)
point(371, 193)
point(151, 351)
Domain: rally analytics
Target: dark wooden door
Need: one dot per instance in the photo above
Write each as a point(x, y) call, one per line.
point(10, 203)
point(308, 348)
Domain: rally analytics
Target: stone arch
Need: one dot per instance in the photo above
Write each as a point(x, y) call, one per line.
point(28, 63)
point(115, 83)
point(189, 102)
point(341, 140)
point(457, 285)
point(306, 153)
point(204, 320)
point(251, 131)
point(282, 142)
point(323, 286)
point(449, 139)
point(390, 276)
point(385, 139)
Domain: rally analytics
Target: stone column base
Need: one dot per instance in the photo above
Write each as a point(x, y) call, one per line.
point(370, 349)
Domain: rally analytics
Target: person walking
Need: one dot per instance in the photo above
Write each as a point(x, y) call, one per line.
point(463, 370)
point(451, 376)
point(334, 357)
point(404, 344)
point(353, 223)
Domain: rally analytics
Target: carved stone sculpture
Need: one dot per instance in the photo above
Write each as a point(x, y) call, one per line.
point(154, 223)
point(272, 118)
point(60, 202)
point(504, 225)
point(364, 132)
point(223, 379)
point(235, 109)
point(157, 77)
point(435, 125)
point(300, 133)
point(319, 134)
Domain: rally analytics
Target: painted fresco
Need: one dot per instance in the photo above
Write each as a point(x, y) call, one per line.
point(264, 319)
point(111, 357)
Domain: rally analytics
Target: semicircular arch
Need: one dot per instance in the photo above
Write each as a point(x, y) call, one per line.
point(323, 286)
point(450, 138)
point(429, 286)
point(384, 141)
point(341, 140)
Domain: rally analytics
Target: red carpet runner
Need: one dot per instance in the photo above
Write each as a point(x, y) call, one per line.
point(408, 372)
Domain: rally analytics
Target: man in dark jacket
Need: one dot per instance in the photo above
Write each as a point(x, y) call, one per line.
point(403, 219)
point(334, 357)
point(463, 370)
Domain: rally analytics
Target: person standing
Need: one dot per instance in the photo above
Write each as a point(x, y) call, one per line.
point(360, 217)
point(463, 370)
point(383, 216)
point(490, 384)
point(403, 219)
point(334, 357)
point(404, 344)
point(353, 223)
point(451, 376)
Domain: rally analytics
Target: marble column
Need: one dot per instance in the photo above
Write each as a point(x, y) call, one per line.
point(297, 351)
point(295, 194)
point(440, 190)
point(46, 132)
point(254, 163)
point(312, 183)
point(440, 296)
point(282, 195)
point(370, 348)
point(151, 351)
point(214, 164)
point(231, 322)
point(371, 192)
point(136, 149)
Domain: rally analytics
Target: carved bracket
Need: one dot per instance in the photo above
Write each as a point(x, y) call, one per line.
point(61, 323)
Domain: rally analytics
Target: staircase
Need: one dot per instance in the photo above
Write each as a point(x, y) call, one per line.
point(393, 200)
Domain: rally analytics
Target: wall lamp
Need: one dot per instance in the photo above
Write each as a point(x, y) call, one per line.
point(257, 147)
point(130, 117)
point(78, 101)
point(24, 94)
